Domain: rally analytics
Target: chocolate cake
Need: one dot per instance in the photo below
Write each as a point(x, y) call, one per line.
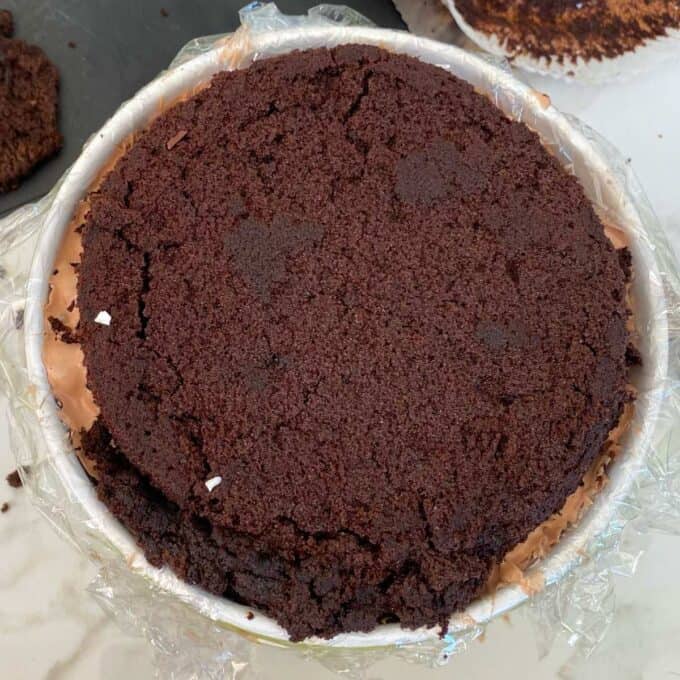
point(6, 23)
point(350, 334)
point(567, 29)
point(29, 89)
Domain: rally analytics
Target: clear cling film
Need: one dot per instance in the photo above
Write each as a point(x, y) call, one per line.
point(196, 634)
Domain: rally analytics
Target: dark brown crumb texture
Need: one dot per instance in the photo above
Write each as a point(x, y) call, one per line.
point(346, 284)
point(6, 23)
point(29, 92)
point(14, 480)
point(567, 29)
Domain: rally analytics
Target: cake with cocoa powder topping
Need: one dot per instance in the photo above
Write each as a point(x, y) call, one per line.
point(350, 335)
point(571, 29)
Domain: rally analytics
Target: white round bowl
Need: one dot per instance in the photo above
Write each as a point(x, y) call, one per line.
point(566, 140)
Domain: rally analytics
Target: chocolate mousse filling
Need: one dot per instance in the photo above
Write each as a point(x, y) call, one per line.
point(340, 337)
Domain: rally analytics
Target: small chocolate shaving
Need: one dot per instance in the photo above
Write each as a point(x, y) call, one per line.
point(175, 140)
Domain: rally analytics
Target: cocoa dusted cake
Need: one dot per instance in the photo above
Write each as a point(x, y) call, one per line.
point(350, 335)
point(569, 29)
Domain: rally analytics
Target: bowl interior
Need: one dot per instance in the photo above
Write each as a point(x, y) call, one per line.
point(576, 151)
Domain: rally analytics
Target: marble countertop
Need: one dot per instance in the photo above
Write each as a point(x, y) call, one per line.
point(50, 628)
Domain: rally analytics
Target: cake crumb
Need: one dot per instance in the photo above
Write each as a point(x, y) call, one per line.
point(6, 23)
point(14, 480)
point(543, 99)
point(213, 482)
point(164, 13)
point(72, 44)
point(250, 616)
point(103, 318)
point(4, 508)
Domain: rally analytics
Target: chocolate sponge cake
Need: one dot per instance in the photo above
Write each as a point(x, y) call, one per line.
point(351, 335)
point(29, 93)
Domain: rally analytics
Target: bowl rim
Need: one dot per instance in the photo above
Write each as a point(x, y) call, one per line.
point(134, 115)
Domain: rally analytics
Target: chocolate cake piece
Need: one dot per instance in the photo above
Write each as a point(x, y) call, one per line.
point(14, 480)
point(373, 311)
point(6, 23)
point(567, 29)
point(29, 91)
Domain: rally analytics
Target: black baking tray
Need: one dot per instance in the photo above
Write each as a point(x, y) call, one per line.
point(107, 49)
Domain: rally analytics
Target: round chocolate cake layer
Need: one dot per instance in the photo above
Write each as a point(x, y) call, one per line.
point(373, 311)
point(29, 95)
point(567, 29)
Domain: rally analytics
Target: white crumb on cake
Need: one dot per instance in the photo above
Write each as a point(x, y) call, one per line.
point(103, 318)
point(213, 482)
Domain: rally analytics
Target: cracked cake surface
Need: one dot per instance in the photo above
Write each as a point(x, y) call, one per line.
point(346, 286)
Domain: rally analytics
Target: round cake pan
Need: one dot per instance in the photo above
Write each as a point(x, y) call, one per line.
point(562, 137)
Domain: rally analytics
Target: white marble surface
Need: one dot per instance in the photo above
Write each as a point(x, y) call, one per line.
point(50, 627)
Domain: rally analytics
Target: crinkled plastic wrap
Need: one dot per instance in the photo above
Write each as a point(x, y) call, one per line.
point(197, 634)
point(632, 63)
